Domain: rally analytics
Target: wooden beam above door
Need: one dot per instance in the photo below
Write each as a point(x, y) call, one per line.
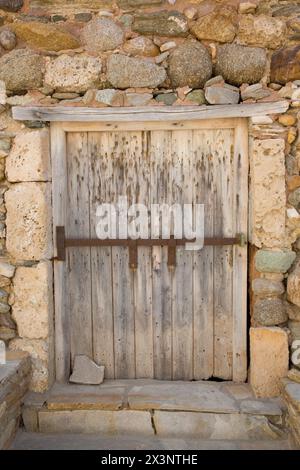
point(148, 113)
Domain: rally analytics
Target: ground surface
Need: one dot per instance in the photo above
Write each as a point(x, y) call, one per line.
point(36, 441)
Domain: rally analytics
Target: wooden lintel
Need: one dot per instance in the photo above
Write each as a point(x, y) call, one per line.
point(148, 113)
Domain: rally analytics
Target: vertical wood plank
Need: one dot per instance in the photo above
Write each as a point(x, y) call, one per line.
point(223, 212)
point(79, 259)
point(59, 195)
point(161, 157)
point(182, 285)
point(140, 180)
point(123, 277)
point(240, 223)
point(101, 261)
point(203, 193)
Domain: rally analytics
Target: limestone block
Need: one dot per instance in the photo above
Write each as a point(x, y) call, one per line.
point(33, 300)
point(96, 421)
point(268, 194)
point(28, 222)
point(269, 360)
point(41, 355)
point(261, 31)
point(29, 159)
point(73, 74)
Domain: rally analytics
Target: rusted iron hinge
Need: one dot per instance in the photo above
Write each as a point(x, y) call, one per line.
point(62, 243)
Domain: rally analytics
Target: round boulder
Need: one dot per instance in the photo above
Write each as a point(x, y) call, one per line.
point(190, 65)
point(102, 34)
point(240, 64)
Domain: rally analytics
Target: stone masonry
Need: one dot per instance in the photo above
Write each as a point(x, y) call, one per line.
point(160, 53)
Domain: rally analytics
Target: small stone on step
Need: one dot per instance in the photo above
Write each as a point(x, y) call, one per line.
point(86, 371)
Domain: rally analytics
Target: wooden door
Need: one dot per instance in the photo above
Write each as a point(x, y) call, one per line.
point(153, 322)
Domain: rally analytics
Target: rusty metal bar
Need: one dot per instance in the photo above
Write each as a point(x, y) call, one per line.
point(62, 243)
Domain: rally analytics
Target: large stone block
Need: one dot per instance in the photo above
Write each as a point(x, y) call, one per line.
point(96, 421)
point(261, 31)
point(219, 25)
point(285, 65)
point(269, 360)
point(28, 221)
point(268, 193)
point(129, 72)
point(21, 70)
point(45, 36)
point(73, 74)
point(240, 64)
point(33, 300)
point(29, 159)
point(274, 261)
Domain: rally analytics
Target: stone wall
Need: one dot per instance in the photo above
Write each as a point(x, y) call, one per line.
point(14, 383)
point(158, 52)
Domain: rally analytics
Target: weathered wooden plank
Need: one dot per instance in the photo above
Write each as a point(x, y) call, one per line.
point(240, 211)
point(59, 203)
point(149, 113)
point(203, 302)
point(222, 143)
point(161, 157)
point(138, 179)
point(182, 285)
point(123, 277)
point(100, 174)
point(79, 259)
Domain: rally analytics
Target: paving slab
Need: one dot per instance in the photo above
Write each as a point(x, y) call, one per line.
point(261, 407)
point(87, 397)
point(124, 422)
point(188, 396)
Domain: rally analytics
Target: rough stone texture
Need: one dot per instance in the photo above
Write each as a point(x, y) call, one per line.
point(190, 65)
point(110, 97)
point(261, 31)
point(196, 96)
point(222, 95)
point(8, 39)
point(291, 394)
point(293, 311)
point(163, 23)
point(141, 46)
point(240, 64)
point(269, 359)
point(274, 261)
point(41, 354)
point(267, 287)
point(293, 286)
point(32, 309)
point(294, 374)
point(29, 231)
point(213, 426)
point(86, 371)
point(96, 421)
point(269, 312)
point(256, 92)
point(73, 74)
point(219, 25)
point(7, 269)
point(128, 72)
point(45, 36)
point(137, 3)
point(22, 69)
point(11, 5)
point(29, 159)
point(285, 65)
point(268, 196)
point(102, 34)
point(14, 382)
point(294, 327)
point(137, 99)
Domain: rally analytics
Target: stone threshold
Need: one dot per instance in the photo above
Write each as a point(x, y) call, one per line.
point(147, 394)
point(200, 410)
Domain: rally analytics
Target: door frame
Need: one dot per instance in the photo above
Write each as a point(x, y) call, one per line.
point(59, 132)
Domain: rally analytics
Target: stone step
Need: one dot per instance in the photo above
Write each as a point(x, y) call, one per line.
point(203, 410)
point(37, 441)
